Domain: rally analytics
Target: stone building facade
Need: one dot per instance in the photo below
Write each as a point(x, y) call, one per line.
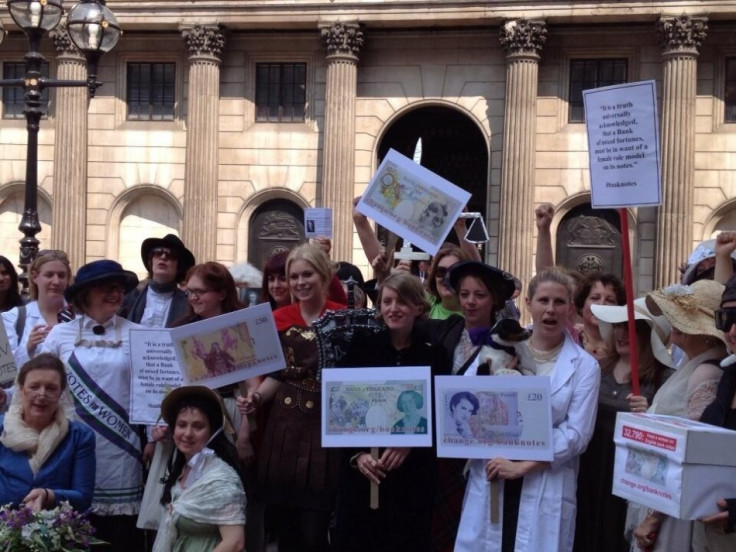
point(222, 121)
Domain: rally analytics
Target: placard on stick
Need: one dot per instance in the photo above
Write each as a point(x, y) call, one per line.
point(623, 145)
point(8, 370)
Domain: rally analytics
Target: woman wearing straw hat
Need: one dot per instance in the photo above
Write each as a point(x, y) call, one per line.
point(691, 312)
point(96, 350)
point(202, 489)
point(601, 515)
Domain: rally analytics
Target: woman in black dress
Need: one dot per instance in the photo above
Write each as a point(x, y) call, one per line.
point(405, 476)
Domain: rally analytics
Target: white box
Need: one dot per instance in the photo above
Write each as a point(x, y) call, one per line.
point(673, 465)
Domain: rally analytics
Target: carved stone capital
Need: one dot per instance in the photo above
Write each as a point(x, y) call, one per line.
point(682, 33)
point(522, 36)
point(62, 43)
point(204, 40)
point(342, 38)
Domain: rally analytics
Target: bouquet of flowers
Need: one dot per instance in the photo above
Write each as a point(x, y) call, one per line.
point(59, 530)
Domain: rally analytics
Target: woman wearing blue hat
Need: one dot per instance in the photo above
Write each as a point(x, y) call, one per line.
point(96, 350)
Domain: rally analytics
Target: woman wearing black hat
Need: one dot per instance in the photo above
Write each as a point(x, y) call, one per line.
point(96, 350)
point(203, 492)
point(160, 303)
point(482, 291)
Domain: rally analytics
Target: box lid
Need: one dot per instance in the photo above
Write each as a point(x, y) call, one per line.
point(688, 441)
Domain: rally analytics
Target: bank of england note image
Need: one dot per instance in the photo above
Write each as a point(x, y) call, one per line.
point(392, 410)
point(413, 202)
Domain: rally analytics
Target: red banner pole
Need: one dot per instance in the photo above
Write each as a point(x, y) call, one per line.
point(629, 283)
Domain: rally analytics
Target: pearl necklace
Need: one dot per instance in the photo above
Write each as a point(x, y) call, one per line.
point(545, 356)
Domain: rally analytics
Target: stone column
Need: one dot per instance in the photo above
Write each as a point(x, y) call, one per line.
point(69, 210)
point(343, 42)
point(522, 40)
point(199, 227)
point(680, 38)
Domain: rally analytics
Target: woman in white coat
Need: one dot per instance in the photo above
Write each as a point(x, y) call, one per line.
point(540, 515)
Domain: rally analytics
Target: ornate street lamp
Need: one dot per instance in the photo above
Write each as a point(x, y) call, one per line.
point(94, 30)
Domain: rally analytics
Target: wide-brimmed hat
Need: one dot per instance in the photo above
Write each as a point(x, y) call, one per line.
point(99, 271)
point(185, 258)
point(608, 315)
point(706, 250)
point(170, 404)
point(690, 309)
point(494, 278)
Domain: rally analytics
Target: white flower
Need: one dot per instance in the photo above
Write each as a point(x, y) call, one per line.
point(678, 290)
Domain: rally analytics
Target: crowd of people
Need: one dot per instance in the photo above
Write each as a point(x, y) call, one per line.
point(241, 466)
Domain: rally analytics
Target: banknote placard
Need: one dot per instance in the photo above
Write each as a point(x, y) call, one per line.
point(229, 348)
point(377, 407)
point(413, 202)
point(488, 416)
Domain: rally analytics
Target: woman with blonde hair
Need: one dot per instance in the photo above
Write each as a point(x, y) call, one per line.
point(27, 326)
point(298, 477)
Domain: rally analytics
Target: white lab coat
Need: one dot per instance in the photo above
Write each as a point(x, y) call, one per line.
point(548, 496)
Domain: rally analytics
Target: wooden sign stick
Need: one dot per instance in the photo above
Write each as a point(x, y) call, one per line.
point(494, 501)
point(374, 486)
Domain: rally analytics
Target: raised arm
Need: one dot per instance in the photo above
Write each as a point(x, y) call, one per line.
point(725, 245)
point(543, 217)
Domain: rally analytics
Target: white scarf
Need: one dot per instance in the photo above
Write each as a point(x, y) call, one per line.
point(18, 436)
point(216, 498)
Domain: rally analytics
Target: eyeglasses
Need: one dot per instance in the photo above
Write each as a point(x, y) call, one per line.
point(196, 293)
point(160, 252)
point(725, 318)
point(440, 272)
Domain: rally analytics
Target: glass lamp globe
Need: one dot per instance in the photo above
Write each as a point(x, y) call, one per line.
point(93, 27)
point(36, 15)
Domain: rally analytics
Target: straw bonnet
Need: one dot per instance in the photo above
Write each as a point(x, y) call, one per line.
point(690, 309)
point(608, 315)
point(170, 404)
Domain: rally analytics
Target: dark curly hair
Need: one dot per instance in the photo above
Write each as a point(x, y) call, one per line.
point(606, 279)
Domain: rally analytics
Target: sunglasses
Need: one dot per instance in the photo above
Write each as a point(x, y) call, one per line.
point(440, 272)
point(160, 252)
point(725, 318)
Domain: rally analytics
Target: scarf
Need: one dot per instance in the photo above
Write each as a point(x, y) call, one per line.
point(216, 498)
point(18, 436)
point(162, 288)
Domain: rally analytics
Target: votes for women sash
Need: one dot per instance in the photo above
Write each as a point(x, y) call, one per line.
point(100, 411)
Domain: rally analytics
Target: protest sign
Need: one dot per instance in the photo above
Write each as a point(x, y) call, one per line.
point(377, 407)
point(229, 348)
point(154, 373)
point(8, 370)
point(318, 223)
point(623, 145)
point(487, 416)
point(413, 202)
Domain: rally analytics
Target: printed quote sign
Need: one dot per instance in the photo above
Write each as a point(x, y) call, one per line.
point(155, 372)
point(623, 145)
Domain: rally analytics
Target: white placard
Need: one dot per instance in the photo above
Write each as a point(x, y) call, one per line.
point(413, 202)
point(229, 348)
point(377, 407)
point(155, 371)
point(8, 370)
point(318, 223)
point(623, 145)
point(488, 416)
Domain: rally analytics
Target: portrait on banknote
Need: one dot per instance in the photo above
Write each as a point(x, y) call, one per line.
point(228, 348)
point(487, 416)
point(377, 407)
point(413, 202)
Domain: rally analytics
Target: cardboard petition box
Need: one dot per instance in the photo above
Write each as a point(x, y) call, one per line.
point(674, 465)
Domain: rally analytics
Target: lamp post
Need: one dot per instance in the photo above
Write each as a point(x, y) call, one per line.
point(94, 30)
